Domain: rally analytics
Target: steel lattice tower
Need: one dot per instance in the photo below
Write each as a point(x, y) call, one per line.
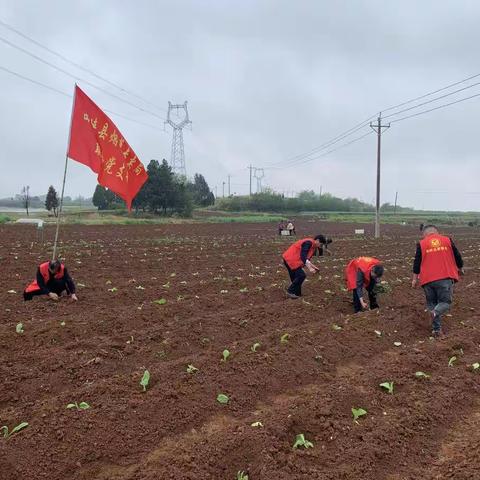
point(177, 159)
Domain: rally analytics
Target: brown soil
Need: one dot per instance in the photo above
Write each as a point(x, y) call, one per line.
point(428, 429)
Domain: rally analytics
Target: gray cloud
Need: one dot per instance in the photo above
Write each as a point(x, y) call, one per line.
point(265, 81)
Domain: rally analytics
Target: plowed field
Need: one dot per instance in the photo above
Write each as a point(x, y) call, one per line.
point(224, 287)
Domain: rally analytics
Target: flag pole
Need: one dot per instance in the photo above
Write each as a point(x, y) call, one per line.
point(54, 255)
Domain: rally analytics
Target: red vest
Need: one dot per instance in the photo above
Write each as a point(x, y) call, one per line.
point(438, 261)
point(364, 264)
point(46, 276)
point(292, 254)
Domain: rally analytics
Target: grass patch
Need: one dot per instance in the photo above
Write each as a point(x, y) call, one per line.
point(4, 219)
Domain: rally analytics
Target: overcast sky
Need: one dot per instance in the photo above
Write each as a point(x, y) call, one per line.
point(265, 81)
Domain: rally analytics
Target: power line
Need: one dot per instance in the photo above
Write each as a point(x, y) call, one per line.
point(431, 101)
point(19, 75)
point(331, 142)
point(77, 65)
point(431, 93)
point(292, 161)
point(327, 153)
point(75, 77)
point(56, 90)
point(435, 108)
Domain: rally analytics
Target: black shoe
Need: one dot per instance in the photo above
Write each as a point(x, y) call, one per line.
point(438, 334)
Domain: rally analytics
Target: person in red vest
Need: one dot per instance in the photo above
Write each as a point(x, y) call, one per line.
point(298, 256)
point(52, 279)
point(363, 272)
point(436, 267)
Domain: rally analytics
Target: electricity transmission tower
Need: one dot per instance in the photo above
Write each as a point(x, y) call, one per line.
point(177, 159)
point(259, 173)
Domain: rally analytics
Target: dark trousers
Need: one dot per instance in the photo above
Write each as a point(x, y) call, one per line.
point(297, 277)
point(439, 298)
point(55, 286)
point(372, 298)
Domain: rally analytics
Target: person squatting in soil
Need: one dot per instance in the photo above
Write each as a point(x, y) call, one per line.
point(52, 279)
point(363, 272)
point(437, 266)
point(298, 256)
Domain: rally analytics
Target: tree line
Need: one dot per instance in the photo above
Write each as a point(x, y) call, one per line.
point(306, 201)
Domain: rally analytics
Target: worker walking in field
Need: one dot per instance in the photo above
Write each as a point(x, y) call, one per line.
point(52, 279)
point(363, 273)
point(298, 256)
point(437, 266)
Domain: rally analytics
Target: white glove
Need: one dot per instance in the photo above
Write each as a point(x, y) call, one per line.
point(310, 266)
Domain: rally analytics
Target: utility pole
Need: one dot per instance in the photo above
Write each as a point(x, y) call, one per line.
point(223, 189)
point(250, 168)
point(378, 130)
point(216, 194)
point(395, 207)
point(320, 194)
point(229, 185)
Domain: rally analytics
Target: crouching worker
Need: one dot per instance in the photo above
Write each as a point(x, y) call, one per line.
point(363, 272)
point(52, 279)
point(298, 256)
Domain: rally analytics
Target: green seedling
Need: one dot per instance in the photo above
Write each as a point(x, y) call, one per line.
point(382, 287)
point(62, 323)
point(160, 301)
point(285, 338)
point(19, 328)
point(225, 354)
point(222, 398)
point(421, 375)
point(79, 406)
point(6, 433)
point(336, 327)
point(244, 290)
point(145, 380)
point(254, 347)
point(166, 285)
point(241, 475)
point(357, 413)
point(378, 333)
point(191, 369)
point(114, 289)
point(257, 424)
point(475, 366)
point(387, 386)
point(451, 361)
point(301, 441)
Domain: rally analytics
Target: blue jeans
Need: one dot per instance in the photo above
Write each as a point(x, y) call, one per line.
point(439, 298)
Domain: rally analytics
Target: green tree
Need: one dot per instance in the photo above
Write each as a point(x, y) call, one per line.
point(51, 201)
point(99, 198)
point(201, 193)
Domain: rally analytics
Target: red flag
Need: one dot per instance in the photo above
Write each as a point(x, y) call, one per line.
point(96, 142)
